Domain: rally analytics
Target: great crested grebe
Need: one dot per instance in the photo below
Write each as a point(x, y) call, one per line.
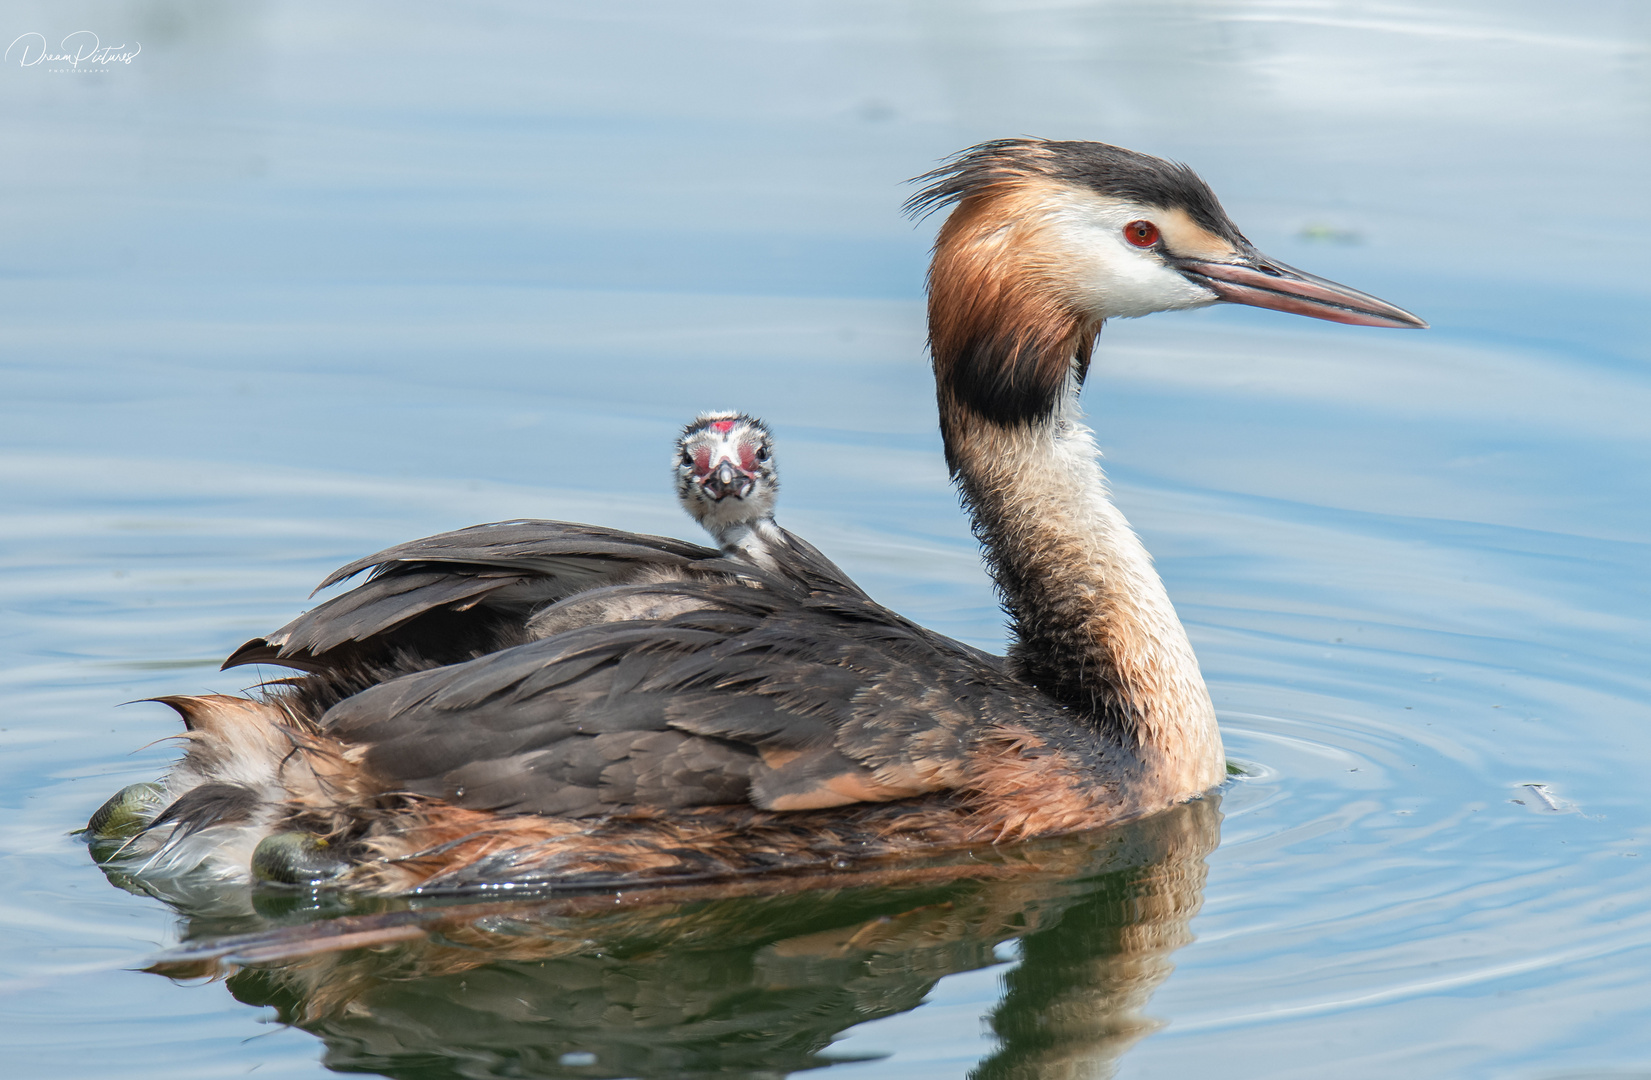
point(539, 703)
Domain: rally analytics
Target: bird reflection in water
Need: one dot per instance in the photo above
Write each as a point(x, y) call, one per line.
point(694, 980)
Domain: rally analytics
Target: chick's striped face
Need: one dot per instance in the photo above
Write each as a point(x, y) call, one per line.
point(725, 470)
point(736, 442)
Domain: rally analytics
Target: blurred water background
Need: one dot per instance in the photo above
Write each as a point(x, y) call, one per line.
point(301, 280)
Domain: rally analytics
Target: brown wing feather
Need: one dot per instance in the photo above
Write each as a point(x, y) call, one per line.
point(524, 544)
point(460, 594)
point(768, 690)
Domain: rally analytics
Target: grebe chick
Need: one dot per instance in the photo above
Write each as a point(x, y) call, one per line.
point(588, 707)
point(726, 480)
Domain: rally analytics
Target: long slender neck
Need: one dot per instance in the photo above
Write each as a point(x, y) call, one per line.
point(1093, 625)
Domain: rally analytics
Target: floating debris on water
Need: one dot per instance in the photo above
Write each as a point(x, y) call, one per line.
point(1544, 800)
point(1320, 233)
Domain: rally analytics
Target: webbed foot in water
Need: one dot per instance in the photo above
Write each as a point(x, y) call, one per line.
point(295, 858)
point(126, 813)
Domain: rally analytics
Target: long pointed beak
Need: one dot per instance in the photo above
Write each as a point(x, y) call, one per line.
point(1260, 282)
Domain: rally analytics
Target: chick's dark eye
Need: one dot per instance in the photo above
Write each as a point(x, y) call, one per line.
point(1141, 233)
point(687, 459)
point(762, 452)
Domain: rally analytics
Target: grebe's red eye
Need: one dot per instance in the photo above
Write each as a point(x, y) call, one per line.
point(1141, 233)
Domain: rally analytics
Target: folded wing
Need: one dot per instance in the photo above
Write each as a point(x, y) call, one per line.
point(766, 689)
point(460, 594)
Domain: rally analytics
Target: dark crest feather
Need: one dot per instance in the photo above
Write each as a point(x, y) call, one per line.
point(1101, 167)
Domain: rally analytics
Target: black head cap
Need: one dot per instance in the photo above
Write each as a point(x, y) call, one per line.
point(1102, 168)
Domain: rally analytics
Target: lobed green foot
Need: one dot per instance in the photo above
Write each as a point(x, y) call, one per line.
point(126, 813)
point(295, 858)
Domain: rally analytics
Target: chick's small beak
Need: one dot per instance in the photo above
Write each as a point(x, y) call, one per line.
point(1258, 281)
point(725, 480)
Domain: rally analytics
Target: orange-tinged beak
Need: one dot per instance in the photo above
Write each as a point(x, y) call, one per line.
point(1261, 282)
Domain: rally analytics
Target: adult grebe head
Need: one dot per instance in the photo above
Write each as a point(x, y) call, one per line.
point(1047, 240)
